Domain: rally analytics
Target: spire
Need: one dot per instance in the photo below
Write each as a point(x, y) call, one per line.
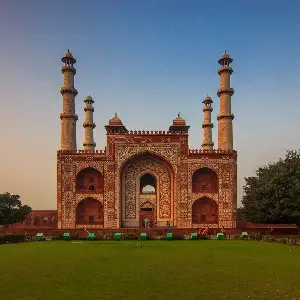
point(207, 125)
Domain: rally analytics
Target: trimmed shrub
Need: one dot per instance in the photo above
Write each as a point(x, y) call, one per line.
point(12, 238)
point(177, 237)
point(255, 236)
point(129, 236)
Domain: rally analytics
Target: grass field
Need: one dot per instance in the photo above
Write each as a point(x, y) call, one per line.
point(155, 270)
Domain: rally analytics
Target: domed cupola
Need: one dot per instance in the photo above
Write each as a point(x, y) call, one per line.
point(179, 124)
point(115, 124)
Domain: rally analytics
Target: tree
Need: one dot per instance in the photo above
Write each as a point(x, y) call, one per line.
point(11, 209)
point(273, 195)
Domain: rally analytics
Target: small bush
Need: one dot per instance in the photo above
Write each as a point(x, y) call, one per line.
point(108, 236)
point(12, 238)
point(255, 236)
point(293, 240)
point(177, 237)
point(130, 236)
point(282, 240)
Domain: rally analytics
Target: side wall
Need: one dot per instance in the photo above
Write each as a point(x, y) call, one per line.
point(68, 166)
point(226, 198)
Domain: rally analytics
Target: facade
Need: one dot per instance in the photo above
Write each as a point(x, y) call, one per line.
point(146, 178)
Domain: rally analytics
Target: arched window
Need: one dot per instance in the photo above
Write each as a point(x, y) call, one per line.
point(90, 211)
point(89, 180)
point(147, 184)
point(205, 180)
point(205, 211)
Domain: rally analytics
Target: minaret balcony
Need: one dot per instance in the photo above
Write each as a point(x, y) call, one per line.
point(66, 116)
point(67, 90)
point(86, 144)
point(207, 108)
point(225, 69)
point(89, 109)
point(226, 91)
point(68, 69)
point(207, 144)
point(230, 117)
point(207, 125)
point(88, 124)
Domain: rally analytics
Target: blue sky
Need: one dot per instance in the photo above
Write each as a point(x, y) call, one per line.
point(146, 60)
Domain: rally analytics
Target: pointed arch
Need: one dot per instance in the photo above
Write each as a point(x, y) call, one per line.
point(205, 180)
point(89, 180)
point(89, 211)
point(205, 211)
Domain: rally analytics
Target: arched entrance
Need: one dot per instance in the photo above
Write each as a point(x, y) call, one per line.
point(205, 211)
point(146, 192)
point(147, 200)
point(90, 212)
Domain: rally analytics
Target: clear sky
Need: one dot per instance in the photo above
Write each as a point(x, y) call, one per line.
point(147, 60)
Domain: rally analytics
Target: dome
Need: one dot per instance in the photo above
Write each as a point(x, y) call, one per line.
point(179, 121)
point(68, 57)
point(68, 54)
point(89, 99)
point(115, 121)
point(225, 55)
point(207, 99)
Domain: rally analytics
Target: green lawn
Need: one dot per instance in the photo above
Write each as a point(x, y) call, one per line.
point(155, 270)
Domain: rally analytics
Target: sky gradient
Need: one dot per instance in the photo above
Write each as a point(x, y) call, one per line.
point(146, 60)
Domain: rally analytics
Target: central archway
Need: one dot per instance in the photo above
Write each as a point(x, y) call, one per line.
point(146, 192)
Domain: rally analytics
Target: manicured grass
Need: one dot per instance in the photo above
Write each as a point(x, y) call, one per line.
point(155, 270)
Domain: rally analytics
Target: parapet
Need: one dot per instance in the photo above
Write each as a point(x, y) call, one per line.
point(82, 151)
point(203, 151)
point(146, 132)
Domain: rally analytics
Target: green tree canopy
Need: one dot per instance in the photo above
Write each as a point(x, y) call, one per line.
point(273, 195)
point(11, 209)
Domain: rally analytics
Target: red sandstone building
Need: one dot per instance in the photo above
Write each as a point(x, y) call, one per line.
point(144, 175)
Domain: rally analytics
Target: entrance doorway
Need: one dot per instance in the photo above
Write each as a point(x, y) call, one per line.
point(146, 217)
